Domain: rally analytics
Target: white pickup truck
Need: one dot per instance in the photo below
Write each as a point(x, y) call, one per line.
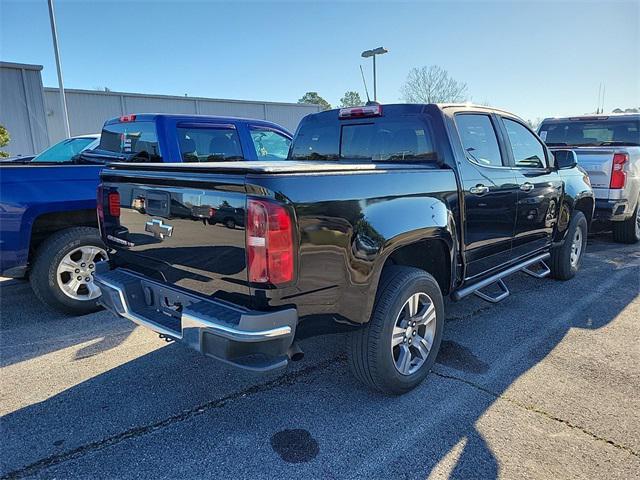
point(608, 148)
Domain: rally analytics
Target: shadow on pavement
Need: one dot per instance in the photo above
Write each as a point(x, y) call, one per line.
point(359, 433)
point(29, 329)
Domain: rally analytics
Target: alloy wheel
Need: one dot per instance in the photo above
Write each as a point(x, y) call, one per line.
point(76, 270)
point(576, 248)
point(413, 333)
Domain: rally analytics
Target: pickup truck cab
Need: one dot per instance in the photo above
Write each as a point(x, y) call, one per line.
point(608, 148)
point(48, 223)
point(378, 213)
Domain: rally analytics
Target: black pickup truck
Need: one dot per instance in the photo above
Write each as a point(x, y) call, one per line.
point(378, 213)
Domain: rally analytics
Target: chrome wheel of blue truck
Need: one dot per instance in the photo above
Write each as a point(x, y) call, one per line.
point(62, 273)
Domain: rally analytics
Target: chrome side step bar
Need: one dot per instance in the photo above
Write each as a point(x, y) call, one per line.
point(542, 271)
point(504, 293)
point(498, 279)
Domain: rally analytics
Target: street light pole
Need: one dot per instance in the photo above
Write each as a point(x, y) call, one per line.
point(373, 53)
point(63, 99)
point(375, 89)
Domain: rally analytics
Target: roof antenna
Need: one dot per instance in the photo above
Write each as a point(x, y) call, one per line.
point(369, 102)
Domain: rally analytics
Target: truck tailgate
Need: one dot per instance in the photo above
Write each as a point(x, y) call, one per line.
point(189, 236)
point(598, 163)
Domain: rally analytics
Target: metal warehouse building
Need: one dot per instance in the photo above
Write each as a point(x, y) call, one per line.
point(32, 114)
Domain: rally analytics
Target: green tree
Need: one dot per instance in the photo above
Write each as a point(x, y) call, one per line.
point(315, 99)
point(4, 140)
point(351, 99)
point(432, 85)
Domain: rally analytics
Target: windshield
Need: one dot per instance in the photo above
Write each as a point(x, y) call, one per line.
point(269, 144)
point(611, 132)
point(325, 137)
point(65, 150)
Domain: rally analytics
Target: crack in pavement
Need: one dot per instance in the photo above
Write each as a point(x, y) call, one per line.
point(284, 380)
point(534, 409)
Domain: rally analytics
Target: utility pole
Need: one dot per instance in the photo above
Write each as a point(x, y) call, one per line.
point(63, 99)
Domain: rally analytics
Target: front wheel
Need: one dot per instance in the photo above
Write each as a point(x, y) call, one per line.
point(566, 258)
point(395, 351)
point(63, 270)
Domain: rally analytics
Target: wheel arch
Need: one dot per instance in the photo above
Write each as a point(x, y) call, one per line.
point(585, 205)
point(430, 254)
point(48, 223)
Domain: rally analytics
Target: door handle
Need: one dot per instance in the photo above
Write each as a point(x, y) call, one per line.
point(526, 187)
point(479, 190)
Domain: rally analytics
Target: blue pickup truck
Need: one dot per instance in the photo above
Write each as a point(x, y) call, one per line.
point(48, 224)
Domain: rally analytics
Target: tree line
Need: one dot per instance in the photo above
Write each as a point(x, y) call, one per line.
point(429, 84)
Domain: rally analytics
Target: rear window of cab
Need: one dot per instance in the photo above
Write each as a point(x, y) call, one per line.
point(375, 139)
point(137, 140)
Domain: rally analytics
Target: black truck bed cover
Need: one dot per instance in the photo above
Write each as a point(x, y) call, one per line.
point(271, 167)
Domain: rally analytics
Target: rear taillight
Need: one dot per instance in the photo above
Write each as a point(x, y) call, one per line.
point(618, 175)
point(269, 242)
point(114, 204)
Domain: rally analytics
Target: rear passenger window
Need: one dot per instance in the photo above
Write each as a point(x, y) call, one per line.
point(479, 139)
point(208, 144)
point(270, 145)
point(527, 150)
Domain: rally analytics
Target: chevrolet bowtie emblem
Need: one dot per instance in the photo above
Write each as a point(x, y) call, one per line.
point(159, 229)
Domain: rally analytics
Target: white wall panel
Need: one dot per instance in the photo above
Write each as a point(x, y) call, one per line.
point(34, 115)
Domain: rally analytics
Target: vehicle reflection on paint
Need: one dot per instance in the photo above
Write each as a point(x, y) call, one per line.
point(205, 248)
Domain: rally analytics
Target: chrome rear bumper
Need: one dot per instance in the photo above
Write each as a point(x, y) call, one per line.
point(247, 339)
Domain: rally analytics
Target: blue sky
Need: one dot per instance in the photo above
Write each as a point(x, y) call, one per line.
point(533, 58)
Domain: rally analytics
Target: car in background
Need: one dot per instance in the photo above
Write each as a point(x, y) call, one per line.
point(608, 148)
point(48, 221)
point(62, 151)
point(68, 148)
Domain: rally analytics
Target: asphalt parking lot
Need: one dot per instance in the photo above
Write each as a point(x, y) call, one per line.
point(542, 385)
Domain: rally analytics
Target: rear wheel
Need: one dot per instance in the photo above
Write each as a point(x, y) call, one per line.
point(395, 351)
point(230, 223)
point(629, 230)
point(566, 259)
point(63, 270)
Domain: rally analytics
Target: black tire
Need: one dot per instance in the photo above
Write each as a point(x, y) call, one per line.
point(43, 275)
point(561, 266)
point(370, 354)
point(230, 223)
point(629, 230)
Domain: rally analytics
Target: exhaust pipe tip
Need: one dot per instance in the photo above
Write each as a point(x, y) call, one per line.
point(295, 353)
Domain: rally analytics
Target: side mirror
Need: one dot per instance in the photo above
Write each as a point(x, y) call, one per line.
point(565, 159)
